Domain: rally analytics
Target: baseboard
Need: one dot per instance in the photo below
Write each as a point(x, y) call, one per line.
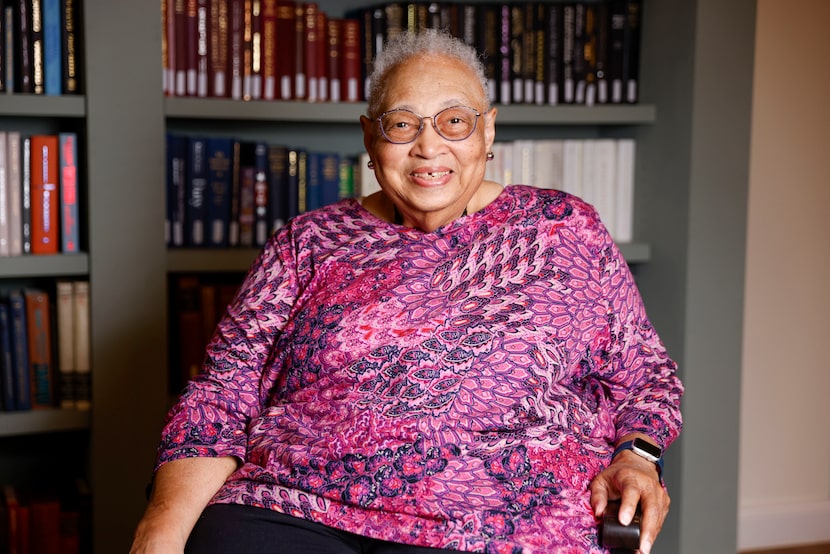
point(787, 525)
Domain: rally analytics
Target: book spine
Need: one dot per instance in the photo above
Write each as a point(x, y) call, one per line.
point(553, 48)
point(247, 178)
point(236, 24)
point(166, 50)
point(351, 89)
point(191, 46)
point(5, 228)
point(38, 323)
point(24, 64)
point(233, 196)
point(10, 41)
point(202, 53)
point(603, 49)
point(293, 189)
point(505, 67)
point(6, 363)
point(312, 45)
point(247, 49)
point(346, 178)
point(616, 53)
point(190, 343)
point(83, 362)
point(20, 350)
point(52, 56)
point(36, 26)
point(176, 190)
point(64, 315)
point(269, 49)
point(45, 194)
point(329, 178)
point(488, 35)
point(256, 50)
point(218, 49)
point(15, 193)
point(260, 194)
point(70, 226)
point(4, 52)
point(299, 50)
point(314, 181)
point(631, 64)
point(518, 33)
point(285, 55)
point(567, 94)
point(277, 186)
point(179, 47)
point(334, 51)
point(219, 167)
point(196, 191)
point(26, 191)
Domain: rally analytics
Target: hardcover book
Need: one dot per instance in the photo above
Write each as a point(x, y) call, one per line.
point(351, 88)
point(236, 25)
point(261, 229)
point(20, 350)
point(285, 55)
point(247, 182)
point(7, 402)
point(45, 194)
point(65, 326)
point(277, 186)
point(218, 49)
point(70, 47)
point(196, 192)
point(83, 362)
point(5, 231)
point(38, 326)
point(176, 176)
point(36, 36)
point(23, 59)
point(218, 201)
point(15, 190)
point(269, 49)
point(52, 45)
point(70, 226)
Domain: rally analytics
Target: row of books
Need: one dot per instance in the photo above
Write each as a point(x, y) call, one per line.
point(225, 192)
point(41, 45)
point(45, 348)
point(600, 171)
point(543, 53)
point(38, 194)
point(46, 520)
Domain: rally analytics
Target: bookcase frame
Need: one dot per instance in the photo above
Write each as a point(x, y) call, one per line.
point(691, 195)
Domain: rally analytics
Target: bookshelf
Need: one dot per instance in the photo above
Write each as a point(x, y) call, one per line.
point(692, 136)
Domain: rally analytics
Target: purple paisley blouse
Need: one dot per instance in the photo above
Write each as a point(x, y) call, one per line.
point(455, 389)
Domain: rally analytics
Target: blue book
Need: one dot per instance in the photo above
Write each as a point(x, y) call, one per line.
point(277, 186)
point(219, 174)
point(176, 175)
point(314, 181)
point(6, 364)
point(52, 40)
point(20, 351)
point(329, 178)
point(295, 202)
point(261, 228)
point(68, 178)
point(196, 191)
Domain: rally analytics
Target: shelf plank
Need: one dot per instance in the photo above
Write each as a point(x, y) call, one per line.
point(38, 105)
point(239, 259)
point(523, 115)
point(45, 266)
point(43, 421)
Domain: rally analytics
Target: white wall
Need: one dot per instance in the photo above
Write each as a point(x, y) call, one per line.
point(784, 483)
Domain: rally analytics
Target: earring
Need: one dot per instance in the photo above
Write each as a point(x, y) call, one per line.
point(490, 156)
point(371, 164)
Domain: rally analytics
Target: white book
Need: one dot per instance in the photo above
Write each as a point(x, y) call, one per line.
point(547, 171)
point(505, 157)
point(15, 194)
point(65, 324)
point(604, 181)
point(83, 362)
point(4, 198)
point(572, 150)
point(522, 157)
point(626, 150)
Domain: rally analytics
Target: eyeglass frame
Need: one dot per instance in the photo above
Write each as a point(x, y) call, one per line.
point(434, 126)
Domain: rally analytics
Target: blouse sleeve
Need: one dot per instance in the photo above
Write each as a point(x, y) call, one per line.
point(211, 416)
point(639, 379)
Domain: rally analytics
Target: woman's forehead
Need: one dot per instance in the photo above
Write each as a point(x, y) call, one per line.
point(434, 79)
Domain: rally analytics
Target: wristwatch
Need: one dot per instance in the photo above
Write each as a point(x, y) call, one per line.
point(645, 449)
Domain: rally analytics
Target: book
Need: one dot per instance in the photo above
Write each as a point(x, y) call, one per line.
point(269, 49)
point(334, 51)
point(572, 166)
point(285, 58)
point(202, 53)
point(548, 163)
point(176, 175)
point(52, 45)
point(65, 328)
point(180, 47)
point(196, 212)
point(626, 149)
point(247, 64)
point(71, 60)
point(20, 350)
point(15, 193)
point(219, 174)
point(247, 184)
point(292, 203)
point(302, 181)
point(603, 49)
point(68, 161)
point(4, 52)
point(44, 514)
point(554, 49)
point(488, 35)
point(167, 40)
point(36, 36)
point(567, 93)
point(616, 50)
point(5, 230)
point(631, 51)
point(236, 25)
point(9, 75)
point(83, 362)
point(261, 227)
point(7, 402)
point(346, 177)
point(277, 186)
point(24, 74)
point(300, 91)
point(314, 181)
point(38, 327)
point(45, 195)
point(16, 529)
point(599, 179)
point(26, 195)
point(218, 48)
point(351, 88)
point(504, 72)
point(313, 46)
point(255, 88)
point(233, 194)
point(189, 351)
point(329, 178)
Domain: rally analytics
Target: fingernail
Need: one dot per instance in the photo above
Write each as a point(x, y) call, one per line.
point(645, 547)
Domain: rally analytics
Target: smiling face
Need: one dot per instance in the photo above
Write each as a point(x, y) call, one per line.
point(431, 180)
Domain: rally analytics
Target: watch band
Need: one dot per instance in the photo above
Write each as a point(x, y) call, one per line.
point(636, 447)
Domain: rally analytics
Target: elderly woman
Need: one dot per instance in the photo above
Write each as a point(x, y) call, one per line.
point(445, 365)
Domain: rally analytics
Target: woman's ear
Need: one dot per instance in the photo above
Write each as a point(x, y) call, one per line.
point(368, 133)
point(490, 127)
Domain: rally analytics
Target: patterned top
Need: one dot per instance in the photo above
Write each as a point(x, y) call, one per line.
point(455, 389)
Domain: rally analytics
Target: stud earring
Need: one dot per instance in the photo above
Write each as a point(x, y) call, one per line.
point(371, 164)
point(490, 156)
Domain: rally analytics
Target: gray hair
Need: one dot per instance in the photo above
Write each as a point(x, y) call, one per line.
point(427, 42)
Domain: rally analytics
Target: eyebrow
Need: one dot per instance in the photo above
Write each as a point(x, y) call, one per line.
point(447, 104)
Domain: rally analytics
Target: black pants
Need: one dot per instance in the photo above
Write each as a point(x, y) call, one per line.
point(231, 528)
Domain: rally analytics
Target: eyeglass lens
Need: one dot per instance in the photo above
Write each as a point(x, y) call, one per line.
point(402, 126)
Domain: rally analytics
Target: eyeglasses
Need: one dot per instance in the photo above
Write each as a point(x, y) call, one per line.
point(402, 126)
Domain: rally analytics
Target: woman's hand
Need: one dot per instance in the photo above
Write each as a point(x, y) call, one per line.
point(633, 479)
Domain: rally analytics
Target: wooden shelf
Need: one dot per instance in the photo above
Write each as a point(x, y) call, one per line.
point(43, 421)
point(38, 105)
point(524, 115)
point(57, 265)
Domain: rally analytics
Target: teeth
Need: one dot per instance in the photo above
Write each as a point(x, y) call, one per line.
point(432, 175)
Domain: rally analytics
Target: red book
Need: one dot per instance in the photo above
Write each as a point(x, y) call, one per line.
point(322, 55)
point(180, 47)
point(351, 61)
point(38, 327)
point(313, 46)
point(191, 39)
point(45, 199)
point(218, 49)
point(300, 82)
point(269, 49)
point(69, 192)
point(247, 49)
point(334, 47)
point(256, 50)
point(285, 54)
point(202, 56)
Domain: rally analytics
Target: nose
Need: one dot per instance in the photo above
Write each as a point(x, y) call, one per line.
point(429, 143)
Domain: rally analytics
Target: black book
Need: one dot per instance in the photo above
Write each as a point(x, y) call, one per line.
point(631, 51)
point(71, 47)
point(23, 56)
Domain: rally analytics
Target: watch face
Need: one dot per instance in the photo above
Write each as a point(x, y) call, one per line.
point(647, 447)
